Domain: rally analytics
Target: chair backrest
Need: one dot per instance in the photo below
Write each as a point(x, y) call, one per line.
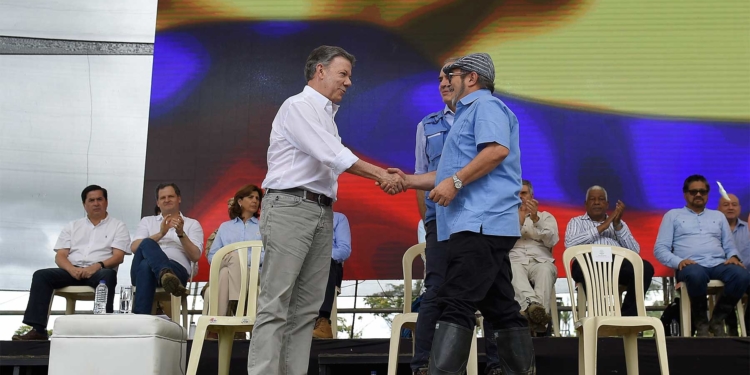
point(245, 307)
point(602, 279)
point(407, 263)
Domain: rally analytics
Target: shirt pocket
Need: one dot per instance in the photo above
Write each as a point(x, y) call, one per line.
point(686, 227)
point(434, 146)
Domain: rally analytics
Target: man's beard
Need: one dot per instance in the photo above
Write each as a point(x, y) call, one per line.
point(457, 95)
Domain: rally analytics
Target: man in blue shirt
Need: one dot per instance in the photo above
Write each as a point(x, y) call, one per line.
point(431, 134)
point(731, 209)
point(698, 243)
point(476, 187)
point(342, 249)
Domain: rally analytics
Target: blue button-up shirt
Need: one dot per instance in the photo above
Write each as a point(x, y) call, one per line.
point(490, 204)
point(704, 238)
point(742, 240)
point(342, 238)
point(236, 230)
point(431, 134)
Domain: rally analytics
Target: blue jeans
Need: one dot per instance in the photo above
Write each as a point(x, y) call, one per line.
point(148, 262)
point(437, 265)
point(734, 277)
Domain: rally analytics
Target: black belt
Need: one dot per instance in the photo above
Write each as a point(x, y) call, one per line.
point(306, 195)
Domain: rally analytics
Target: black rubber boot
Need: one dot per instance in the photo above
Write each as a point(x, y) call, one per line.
point(450, 349)
point(516, 351)
point(724, 307)
point(699, 316)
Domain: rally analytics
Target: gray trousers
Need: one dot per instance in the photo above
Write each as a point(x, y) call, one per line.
point(297, 237)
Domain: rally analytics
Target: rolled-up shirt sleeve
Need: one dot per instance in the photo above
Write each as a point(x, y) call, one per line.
point(625, 238)
point(421, 164)
point(303, 129)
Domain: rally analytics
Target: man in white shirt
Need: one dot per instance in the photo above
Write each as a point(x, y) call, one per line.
point(305, 158)
point(534, 271)
point(164, 246)
point(88, 250)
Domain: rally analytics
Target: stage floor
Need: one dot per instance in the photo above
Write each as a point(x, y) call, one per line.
point(361, 356)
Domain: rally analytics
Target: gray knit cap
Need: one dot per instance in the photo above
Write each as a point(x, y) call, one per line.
point(476, 62)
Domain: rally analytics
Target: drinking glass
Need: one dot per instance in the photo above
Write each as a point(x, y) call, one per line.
point(126, 295)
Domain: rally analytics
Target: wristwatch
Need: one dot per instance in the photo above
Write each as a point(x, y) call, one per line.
point(102, 264)
point(457, 182)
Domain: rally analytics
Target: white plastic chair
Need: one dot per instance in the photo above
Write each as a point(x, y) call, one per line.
point(603, 308)
point(408, 319)
point(227, 326)
point(71, 295)
point(555, 315)
point(715, 288)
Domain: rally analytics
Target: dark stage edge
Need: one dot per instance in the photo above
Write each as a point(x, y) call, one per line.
point(361, 356)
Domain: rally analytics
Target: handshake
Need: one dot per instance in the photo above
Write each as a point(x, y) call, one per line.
point(395, 181)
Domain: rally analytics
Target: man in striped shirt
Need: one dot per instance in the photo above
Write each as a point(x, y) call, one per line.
point(596, 227)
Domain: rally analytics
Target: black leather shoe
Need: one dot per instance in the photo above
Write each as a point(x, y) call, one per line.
point(450, 349)
point(32, 335)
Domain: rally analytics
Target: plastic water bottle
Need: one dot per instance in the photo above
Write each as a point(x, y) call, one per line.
point(674, 328)
point(100, 298)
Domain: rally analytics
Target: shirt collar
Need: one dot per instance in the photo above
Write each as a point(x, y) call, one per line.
point(106, 218)
point(159, 217)
point(468, 99)
point(587, 217)
point(693, 212)
point(330, 107)
point(447, 110)
point(239, 219)
point(741, 223)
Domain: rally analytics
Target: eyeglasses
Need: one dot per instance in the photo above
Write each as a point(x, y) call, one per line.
point(695, 192)
point(451, 75)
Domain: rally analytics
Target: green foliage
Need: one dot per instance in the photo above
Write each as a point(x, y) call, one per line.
point(345, 328)
point(22, 330)
point(391, 297)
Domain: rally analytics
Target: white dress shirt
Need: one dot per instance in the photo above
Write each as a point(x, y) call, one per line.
point(170, 243)
point(537, 240)
point(305, 149)
point(89, 243)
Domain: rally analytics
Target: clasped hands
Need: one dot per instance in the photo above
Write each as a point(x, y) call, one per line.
point(396, 181)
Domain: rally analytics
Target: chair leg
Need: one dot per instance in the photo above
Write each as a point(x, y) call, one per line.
point(70, 305)
point(175, 303)
point(741, 318)
point(394, 343)
point(185, 312)
point(226, 339)
point(661, 348)
point(555, 316)
point(581, 354)
point(630, 342)
point(685, 317)
point(195, 351)
point(590, 336)
point(472, 367)
point(334, 316)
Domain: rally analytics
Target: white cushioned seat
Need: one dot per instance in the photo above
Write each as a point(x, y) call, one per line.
point(117, 344)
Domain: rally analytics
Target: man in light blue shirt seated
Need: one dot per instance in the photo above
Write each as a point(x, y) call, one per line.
point(342, 249)
point(731, 209)
point(698, 244)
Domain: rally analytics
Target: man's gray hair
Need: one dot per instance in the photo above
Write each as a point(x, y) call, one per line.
point(596, 187)
point(528, 183)
point(324, 55)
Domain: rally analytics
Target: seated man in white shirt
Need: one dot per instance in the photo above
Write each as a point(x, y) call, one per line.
point(88, 250)
point(164, 245)
point(534, 271)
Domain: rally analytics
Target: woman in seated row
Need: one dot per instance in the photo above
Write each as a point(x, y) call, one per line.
point(242, 226)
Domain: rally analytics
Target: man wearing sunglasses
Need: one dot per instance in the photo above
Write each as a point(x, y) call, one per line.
point(697, 242)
